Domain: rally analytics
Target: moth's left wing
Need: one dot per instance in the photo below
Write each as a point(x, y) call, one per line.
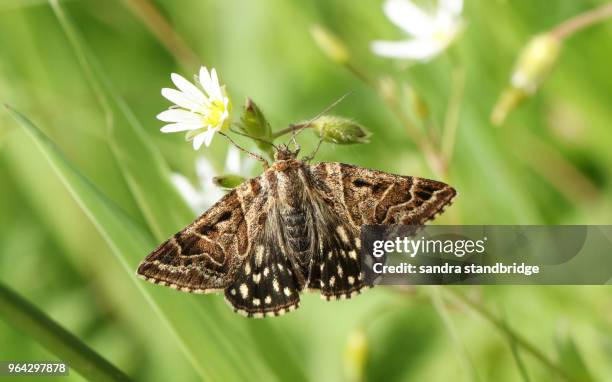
point(347, 197)
point(364, 196)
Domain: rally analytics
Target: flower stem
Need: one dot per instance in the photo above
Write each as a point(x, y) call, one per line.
point(582, 21)
point(159, 26)
point(290, 129)
point(66, 346)
point(452, 114)
point(442, 309)
point(511, 334)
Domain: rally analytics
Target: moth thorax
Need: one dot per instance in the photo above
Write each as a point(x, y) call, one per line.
point(290, 188)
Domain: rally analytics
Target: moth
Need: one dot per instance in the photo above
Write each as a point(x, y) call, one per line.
point(294, 227)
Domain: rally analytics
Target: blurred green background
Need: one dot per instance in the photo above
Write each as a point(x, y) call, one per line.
point(72, 251)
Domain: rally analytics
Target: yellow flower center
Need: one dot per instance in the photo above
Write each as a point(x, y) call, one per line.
point(213, 114)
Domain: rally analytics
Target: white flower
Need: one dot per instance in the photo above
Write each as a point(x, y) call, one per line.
point(206, 193)
point(200, 111)
point(432, 32)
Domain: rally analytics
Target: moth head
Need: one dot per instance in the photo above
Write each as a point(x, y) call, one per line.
point(285, 153)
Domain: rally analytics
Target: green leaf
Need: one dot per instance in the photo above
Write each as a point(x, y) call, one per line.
point(66, 346)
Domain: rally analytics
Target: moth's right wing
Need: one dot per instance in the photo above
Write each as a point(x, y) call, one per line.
point(207, 254)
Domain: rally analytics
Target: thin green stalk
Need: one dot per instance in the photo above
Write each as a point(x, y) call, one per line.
point(159, 26)
point(511, 334)
point(287, 130)
point(582, 21)
point(441, 308)
point(452, 114)
point(35, 323)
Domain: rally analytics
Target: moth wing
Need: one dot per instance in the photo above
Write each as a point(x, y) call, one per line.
point(349, 197)
point(364, 196)
point(205, 256)
point(266, 284)
point(335, 268)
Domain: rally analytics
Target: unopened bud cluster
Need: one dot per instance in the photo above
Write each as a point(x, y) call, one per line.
point(339, 130)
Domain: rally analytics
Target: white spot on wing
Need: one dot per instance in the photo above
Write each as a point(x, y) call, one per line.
point(268, 299)
point(275, 285)
point(351, 280)
point(244, 290)
point(353, 255)
point(358, 243)
point(266, 271)
point(287, 291)
point(256, 277)
point(247, 268)
point(256, 302)
point(342, 233)
point(339, 270)
point(259, 255)
point(332, 280)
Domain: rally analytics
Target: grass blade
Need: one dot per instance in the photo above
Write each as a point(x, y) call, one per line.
point(66, 346)
point(143, 166)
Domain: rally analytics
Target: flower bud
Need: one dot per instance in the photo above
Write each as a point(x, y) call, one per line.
point(535, 63)
point(254, 124)
point(355, 355)
point(531, 69)
point(330, 44)
point(339, 130)
point(228, 181)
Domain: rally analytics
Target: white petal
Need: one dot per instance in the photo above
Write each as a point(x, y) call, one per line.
point(176, 127)
point(209, 136)
point(179, 99)
point(419, 49)
point(178, 115)
point(215, 84)
point(187, 88)
point(409, 17)
point(450, 7)
point(198, 140)
point(232, 160)
point(206, 82)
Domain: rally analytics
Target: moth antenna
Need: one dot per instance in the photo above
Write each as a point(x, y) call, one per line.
point(311, 156)
point(253, 155)
point(255, 138)
point(297, 129)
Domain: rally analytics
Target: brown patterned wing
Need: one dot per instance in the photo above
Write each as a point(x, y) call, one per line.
point(206, 255)
point(350, 197)
point(364, 196)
